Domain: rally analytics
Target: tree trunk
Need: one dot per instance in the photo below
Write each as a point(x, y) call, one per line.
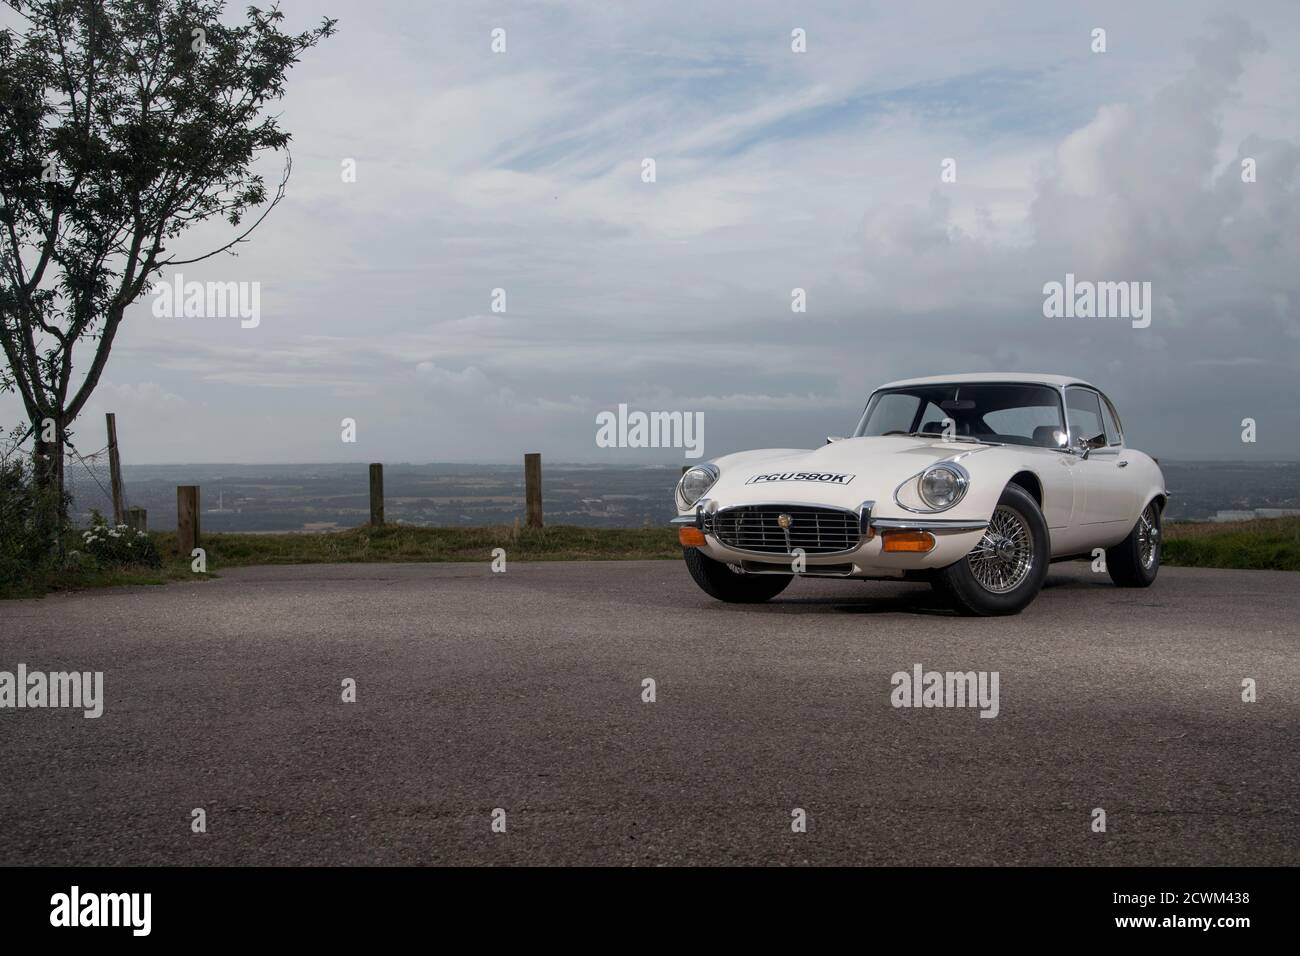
point(47, 467)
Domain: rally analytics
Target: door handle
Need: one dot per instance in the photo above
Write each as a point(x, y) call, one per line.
point(1123, 464)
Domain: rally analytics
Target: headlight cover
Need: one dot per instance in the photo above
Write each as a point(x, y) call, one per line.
point(938, 488)
point(942, 486)
point(695, 483)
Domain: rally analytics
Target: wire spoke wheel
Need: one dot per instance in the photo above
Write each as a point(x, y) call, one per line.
point(1002, 560)
point(1148, 537)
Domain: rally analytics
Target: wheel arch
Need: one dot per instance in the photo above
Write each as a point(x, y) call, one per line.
point(1030, 483)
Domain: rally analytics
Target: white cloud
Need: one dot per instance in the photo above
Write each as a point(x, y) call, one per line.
point(776, 170)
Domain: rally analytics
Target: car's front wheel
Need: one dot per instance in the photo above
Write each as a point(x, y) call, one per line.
point(1005, 571)
point(720, 581)
point(1135, 561)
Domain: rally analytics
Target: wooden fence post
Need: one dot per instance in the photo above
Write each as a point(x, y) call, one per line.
point(376, 495)
point(187, 519)
point(115, 470)
point(137, 519)
point(533, 489)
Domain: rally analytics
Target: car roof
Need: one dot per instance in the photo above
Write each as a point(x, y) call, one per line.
point(1025, 378)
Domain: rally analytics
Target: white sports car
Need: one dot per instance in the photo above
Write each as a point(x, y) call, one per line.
point(973, 482)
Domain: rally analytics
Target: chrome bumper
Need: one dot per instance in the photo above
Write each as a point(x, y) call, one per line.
point(868, 524)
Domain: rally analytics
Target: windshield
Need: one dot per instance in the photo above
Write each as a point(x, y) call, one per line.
point(1005, 414)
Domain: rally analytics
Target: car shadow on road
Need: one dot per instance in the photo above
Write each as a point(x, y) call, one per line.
point(1073, 583)
point(920, 599)
point(908, 598)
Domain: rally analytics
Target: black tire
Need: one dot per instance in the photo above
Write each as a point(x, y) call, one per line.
point(717, 580)
point(976, 592)
point(1129, 563)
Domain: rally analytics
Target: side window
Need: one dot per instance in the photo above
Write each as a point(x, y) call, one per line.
point(1083, 411)
point(1113, 435)
point(1114, 431)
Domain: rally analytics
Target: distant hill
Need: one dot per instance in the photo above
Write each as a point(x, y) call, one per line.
point(320, 496)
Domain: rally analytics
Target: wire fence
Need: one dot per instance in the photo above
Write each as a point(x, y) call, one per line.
point(87, 476)
point(87, 479)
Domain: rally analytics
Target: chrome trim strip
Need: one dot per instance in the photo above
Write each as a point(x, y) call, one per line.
point(864, 519)
point(908, 524)
point(813, 571)
point(816, 556)
point(787, 504)
point(813, 556)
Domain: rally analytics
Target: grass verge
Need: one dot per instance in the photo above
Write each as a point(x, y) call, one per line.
point(393, 543)
point(1264, 544)
point(401, 543)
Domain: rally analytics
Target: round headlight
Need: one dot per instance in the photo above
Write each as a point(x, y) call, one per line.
point(941, 486)
point(695, 483)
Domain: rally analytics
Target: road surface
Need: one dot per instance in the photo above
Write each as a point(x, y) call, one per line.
point(523, 691)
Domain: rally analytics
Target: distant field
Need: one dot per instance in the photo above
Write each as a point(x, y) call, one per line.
point(304, 497)
point(1262, 544)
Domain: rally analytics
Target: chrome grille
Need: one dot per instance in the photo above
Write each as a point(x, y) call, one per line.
point(815, 530)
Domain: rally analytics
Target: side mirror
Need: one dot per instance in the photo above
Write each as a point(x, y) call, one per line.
point(834, 438)
point(1083, 448)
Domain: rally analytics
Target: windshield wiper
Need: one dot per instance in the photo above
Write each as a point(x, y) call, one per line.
point(969, 438)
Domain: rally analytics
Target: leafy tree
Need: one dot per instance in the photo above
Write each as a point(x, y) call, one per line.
point(27, 548)
point(122, 124)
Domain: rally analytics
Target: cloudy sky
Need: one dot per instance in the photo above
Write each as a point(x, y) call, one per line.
point(775, 170)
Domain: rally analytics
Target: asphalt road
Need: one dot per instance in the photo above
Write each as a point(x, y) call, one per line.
point(523, 691)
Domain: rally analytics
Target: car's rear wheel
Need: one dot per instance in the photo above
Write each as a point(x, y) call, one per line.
point(1005, 571)
point(721, 581)
point(1135, 561)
